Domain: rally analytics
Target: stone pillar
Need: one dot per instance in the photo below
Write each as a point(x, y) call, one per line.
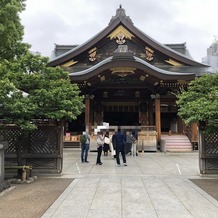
point(3, 184)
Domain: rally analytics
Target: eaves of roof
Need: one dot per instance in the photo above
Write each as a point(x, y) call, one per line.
point(134, 62)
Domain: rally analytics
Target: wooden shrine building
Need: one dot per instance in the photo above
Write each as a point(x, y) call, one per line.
point(128, 78)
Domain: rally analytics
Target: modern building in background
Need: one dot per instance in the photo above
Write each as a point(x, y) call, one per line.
point(212, 56)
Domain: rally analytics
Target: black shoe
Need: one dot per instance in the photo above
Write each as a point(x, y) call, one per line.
point(100, 163)
point(87, 161)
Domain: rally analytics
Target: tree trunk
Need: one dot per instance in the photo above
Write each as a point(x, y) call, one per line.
point(20, 147)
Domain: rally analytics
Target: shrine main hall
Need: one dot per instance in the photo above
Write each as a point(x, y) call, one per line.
point(129, 80)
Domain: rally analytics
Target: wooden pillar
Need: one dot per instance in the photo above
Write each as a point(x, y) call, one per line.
point(194, 130)
point(150, 113)
point(87, 114)
point(157, 117)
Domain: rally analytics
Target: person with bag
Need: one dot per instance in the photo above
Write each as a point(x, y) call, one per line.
point(106, 144)
point(100, 142)
point(129, 141)
point(134, 151)
point(85, 141)
point(112, 145)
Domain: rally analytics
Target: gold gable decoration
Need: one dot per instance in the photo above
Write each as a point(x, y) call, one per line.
point(120, 34)
point(148, 54)
point(92, 54)
point(174, 63)
point(69, 63)
point(122, 71)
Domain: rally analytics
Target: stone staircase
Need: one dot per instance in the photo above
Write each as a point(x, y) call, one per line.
point(175, 143)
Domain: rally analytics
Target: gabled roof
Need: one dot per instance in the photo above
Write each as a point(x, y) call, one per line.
point(121, 19)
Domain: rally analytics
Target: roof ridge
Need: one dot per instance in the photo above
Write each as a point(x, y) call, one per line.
point(120, 15)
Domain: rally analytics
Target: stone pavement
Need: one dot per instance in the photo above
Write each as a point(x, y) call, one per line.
point(152, 185)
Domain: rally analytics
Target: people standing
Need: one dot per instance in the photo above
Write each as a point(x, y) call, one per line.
point(100, 142)
point(106, 144)
point(112, 145)
point(120, 141)
point(134, 136)
point(128, 142)
point(85, 141)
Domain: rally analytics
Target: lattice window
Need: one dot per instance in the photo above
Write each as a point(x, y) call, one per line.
point(44, 141)
point(10, 135)
point(211, 144)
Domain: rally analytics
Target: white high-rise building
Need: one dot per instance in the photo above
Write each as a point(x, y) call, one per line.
point(212, 56)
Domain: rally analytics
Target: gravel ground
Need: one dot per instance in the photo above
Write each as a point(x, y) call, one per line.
point(208, 185)
point(31, 200)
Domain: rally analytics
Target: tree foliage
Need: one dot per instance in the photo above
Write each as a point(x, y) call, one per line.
point(28, 88)
point(200, 102)
point(31, 90)
point(11, 29)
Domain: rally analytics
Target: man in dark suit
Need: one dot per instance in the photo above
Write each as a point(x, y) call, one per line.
point(120, 142)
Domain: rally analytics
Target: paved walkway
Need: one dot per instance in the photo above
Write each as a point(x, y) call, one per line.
point(152, 185)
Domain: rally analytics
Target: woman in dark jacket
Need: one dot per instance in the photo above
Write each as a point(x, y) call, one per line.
point(106, 144)
point(100, 142)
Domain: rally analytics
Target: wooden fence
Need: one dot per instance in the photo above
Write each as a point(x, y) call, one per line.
point(43, 148)
point(208, 153)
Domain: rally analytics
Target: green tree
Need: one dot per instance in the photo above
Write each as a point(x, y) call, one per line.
point(200, 102)
point(11, 29)
point(50, 95)
point(30, 90)
point(35, 91)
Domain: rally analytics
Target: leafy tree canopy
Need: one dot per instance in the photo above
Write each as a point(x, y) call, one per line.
point(200, 102)
point(28, 88)
point(31, 90)
point(11, 29)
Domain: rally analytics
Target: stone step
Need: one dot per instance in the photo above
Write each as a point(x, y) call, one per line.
point(179, 150)
point(178, 140)
point(178, 146)
point(177, 143)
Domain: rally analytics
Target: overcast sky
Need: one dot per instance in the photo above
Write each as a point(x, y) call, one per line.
point(69, 22)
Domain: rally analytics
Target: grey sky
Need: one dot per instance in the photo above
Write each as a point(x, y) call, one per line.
point(71, 22)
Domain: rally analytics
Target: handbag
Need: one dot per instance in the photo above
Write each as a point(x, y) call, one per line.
point(99, 141)
point(106, 140)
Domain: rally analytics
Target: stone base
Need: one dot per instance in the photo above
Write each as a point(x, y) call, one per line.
point(4, 185)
